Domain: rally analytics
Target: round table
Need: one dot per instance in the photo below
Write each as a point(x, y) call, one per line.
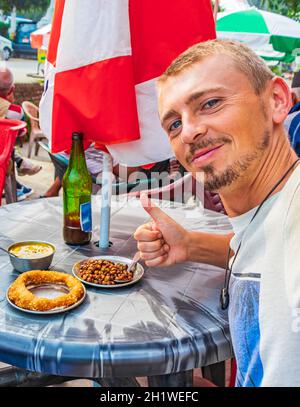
point(168, 323)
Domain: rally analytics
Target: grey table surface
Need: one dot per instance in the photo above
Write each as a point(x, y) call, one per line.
point(169, 322)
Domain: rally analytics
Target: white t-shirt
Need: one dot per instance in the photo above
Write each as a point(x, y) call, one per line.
point(264, 309)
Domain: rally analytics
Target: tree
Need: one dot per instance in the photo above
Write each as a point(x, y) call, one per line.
point(33, 9)
point(290, 8)
point(8, 5)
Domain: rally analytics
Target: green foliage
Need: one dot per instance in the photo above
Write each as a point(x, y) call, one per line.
point(219, 8)
point(33, 9)
point(4, 29)
point(290, 8)
point(33, 13)
point(7, 5)
point(277, 70)
point(283, 69)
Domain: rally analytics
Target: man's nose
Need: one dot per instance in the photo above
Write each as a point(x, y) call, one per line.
point(192, 130)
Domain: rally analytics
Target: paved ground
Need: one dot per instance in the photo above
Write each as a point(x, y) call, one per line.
point(21, 68)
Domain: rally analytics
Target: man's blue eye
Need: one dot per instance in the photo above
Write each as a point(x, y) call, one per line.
point(175, 125)
point(211, 103)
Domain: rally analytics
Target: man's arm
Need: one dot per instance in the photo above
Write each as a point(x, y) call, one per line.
point(125, 172)
point(209, 248)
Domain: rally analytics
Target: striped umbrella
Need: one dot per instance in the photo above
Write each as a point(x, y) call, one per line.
point(270, 35)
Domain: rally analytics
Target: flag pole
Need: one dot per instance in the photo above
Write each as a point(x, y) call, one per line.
point(216, 8)
point(106, 194)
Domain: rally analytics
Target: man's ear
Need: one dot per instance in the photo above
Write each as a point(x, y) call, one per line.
point(281, 99)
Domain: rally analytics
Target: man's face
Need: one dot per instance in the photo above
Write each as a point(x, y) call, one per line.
point(215, 121)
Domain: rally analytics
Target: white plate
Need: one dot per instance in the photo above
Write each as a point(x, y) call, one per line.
point(137, 275)
point(49, 288)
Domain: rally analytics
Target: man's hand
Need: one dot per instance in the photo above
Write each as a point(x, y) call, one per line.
point(162, 242)
point(213, 202)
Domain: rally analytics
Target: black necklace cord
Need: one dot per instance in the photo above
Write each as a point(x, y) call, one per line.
point(224, 297)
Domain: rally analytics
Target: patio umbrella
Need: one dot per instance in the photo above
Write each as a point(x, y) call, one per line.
point(103, 61)
point(40, 38)
point(271, 35)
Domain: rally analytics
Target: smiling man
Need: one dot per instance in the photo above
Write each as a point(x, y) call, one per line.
point(223, 111)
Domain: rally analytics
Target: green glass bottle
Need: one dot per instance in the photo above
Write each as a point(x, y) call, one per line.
point(77, 192)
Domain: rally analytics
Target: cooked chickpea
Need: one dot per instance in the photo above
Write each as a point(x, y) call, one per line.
point(104, 272)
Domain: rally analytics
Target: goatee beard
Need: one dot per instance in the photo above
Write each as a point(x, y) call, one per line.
point(215, 182)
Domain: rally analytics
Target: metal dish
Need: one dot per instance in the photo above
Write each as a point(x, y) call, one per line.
point(137, 275)
point(50, 289)
point(24, 264)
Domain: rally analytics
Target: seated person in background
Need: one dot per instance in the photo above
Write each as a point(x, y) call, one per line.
point(94, 160)
point(292, 122)
point(159, 174)
point(171, 169)
point(8, 110)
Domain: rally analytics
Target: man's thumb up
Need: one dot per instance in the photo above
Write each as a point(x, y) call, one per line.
point(161, 242)
point(159, 216)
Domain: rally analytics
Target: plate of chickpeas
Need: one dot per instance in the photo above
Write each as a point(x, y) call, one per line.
point(107, 272)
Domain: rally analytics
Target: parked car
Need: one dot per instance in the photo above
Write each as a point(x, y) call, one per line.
point(6, 48)
point(21, 39)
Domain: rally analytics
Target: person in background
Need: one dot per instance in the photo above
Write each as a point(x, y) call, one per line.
point(9, 110)
point(292, 122)
point(94, 160)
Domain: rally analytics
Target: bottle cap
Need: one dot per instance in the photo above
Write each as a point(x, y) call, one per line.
point(77, 135)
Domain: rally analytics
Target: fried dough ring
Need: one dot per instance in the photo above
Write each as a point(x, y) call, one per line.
point(23, 298)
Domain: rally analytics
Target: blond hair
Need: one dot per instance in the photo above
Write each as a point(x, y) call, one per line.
point(245, 59)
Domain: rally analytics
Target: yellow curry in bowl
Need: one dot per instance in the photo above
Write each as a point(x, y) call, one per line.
point(32, 250)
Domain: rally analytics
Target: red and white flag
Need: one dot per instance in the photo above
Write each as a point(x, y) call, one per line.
point(103, 59)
